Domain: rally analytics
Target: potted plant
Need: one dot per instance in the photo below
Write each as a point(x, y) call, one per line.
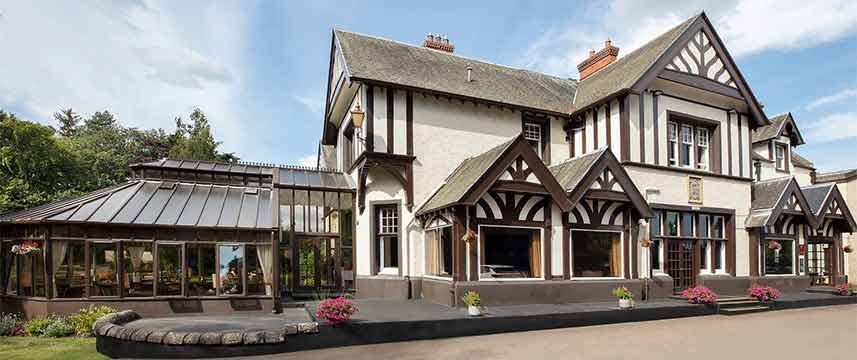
point(336, 311)
point(474, 303)
point(763, 293)
point(699, 295)
point(625, 296)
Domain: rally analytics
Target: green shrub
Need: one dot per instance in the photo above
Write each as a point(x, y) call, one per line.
point(82, 321)
point(37, 326)
point(9, 323)
point(59, 328)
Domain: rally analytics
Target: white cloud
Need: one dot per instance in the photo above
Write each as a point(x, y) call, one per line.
point(832, 99)
point(312, 104)
point(747, 27)
point(145, 61)
point(833, 127)
point(309, 161)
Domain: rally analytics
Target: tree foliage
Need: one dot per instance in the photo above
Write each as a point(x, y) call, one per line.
point(39, 164)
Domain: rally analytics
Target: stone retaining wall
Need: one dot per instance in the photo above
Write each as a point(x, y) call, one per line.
point(113, 326)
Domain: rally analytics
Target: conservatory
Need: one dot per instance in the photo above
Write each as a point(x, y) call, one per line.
point(183, 237)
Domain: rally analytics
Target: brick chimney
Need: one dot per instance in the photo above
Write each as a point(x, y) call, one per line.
point(598, 60)
point(438, 42)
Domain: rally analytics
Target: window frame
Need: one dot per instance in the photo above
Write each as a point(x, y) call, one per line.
point(781, 164)
point(379, 233)
point(439, 231)
point(622, 245)
point(672, 143)
point(479, 251)
point(676, 140)
point(791, 253)
point(700, 147)
point(543, 123)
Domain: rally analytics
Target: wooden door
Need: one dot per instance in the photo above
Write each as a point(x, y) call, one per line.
point(680, 264)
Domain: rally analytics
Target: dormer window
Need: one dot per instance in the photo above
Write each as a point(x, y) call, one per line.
point(781, 156)
point(534, 135)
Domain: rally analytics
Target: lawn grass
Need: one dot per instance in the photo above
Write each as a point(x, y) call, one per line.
point(37, 348)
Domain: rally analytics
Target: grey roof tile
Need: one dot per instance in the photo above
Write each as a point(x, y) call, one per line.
point(388, 61)
point(800, 161)
point(570, 172)
point(767, 193)
point(816, 195)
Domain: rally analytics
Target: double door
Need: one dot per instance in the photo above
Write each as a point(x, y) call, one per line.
point(819, 258)
point(314, 265)
point(680, 264)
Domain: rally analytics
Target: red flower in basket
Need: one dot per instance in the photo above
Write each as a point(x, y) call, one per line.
point(469, 236)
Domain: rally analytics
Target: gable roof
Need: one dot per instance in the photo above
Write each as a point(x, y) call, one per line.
point(576, 175)
point(775, 129)
point(633, 72)
point(160, 203)
point(459, 186)
point(392, 62)
point(770, 196)
point(623, 73)
point(821, 196)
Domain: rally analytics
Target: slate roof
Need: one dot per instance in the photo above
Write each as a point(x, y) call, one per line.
point(160, 203)
point(625, 71)
point(766, 194)
point(388, 61)
point(841, 175)
point(464, 177)
point(800, 161)
point(816, 194)
point(775, 128)
point(569, 173)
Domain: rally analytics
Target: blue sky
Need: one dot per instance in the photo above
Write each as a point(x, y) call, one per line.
point(258, 68)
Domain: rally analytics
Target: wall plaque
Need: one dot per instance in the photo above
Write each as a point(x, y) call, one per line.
point(694, 189)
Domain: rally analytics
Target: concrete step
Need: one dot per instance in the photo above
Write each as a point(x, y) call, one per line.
point(821, 290)
point(737, 304)
point(744, 310)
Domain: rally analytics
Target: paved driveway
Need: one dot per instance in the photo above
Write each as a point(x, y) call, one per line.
point(812, 333)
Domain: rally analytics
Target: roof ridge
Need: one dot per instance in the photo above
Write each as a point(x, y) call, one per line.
point(574, 81)
point(781, 178)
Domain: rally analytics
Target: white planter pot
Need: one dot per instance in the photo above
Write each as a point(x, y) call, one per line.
point(473, 310)
point(625, 304)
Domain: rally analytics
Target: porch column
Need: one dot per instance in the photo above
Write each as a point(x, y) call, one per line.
point(459, 250)
point(548, 239)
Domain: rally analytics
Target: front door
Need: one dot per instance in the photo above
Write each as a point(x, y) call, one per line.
point(316, 264)
point(680, 264)
point(819, 258)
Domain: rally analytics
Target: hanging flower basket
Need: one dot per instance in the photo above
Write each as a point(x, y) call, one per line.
point(848, 249)
point(774, 245)
point(26, 247)
point(469, 236)
point(645, 243)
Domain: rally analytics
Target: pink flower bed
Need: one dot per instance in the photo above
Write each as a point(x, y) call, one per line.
point(844, 289)
point(763, 293)
point(335, 311)
point(699, 295)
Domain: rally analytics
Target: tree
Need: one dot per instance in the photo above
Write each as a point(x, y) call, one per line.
point(69, 122)
point(34, 167)
point(194, 140)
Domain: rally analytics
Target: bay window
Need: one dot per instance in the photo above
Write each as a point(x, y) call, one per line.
point(509, 253)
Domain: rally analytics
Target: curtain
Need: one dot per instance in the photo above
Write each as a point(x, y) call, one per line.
point(432, 252)
point(57, 256)
point(616, 258)
point(266, 258)
point(535, 255)
point(136, 254)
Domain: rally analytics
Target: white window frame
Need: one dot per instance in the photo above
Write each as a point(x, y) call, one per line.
point(383, 230)
point(780, 162)
point(479, 252)
point(622, 246)
point(533, 132)
point(764, 244)
point(722, 264)
point(683, 141)
point(702, 148)
point(708, 257)
point(672, 142)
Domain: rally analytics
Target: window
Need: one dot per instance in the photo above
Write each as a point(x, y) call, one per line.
point(231, 270)
point(506, 253)
point(655, 248)
point(717, 227)
point(703, 255)
point(387, 237)
point(779, 257)
point(686, 144)
point(26, 274)
point(70, 271)
point(701, 148)
point(201, 273)
point(439, 251)
point(596, 254)
point(139, 264)
point(672, 224)
point(686, 224)
point(719, 255)
point(702, 230)
point(781, 156)
point(259, 267)
point(672, 140)
point(169, 269)
point(348, 148)
point(104, 279)
point(534, 135)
